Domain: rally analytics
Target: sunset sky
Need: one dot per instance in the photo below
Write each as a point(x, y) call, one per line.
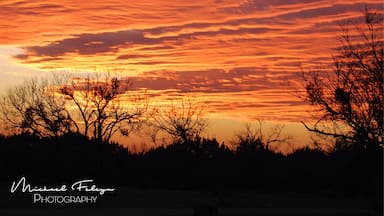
point(242, 59)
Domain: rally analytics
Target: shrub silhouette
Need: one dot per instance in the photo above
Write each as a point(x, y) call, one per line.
point(200, 164)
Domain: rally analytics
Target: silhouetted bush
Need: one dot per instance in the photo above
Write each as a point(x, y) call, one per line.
point(199, 164)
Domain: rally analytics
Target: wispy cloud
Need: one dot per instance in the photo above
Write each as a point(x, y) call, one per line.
point(224, 50)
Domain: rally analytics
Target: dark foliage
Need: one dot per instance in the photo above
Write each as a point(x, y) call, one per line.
point(201, 164)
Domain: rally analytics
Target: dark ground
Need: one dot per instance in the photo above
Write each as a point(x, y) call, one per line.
point(200, 177)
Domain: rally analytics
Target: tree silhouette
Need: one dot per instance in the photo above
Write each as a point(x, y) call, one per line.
point(183, 120)
point(97, 107)
point(34, 108)
point(104, 106)
point(350, 96)
point(252, 140)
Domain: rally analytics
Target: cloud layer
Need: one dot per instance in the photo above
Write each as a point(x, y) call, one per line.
point(241, 56)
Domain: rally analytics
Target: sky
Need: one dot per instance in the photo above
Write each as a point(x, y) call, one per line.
point(242, 59)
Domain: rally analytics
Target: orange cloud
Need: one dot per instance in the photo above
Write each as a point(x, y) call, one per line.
point(236, 55)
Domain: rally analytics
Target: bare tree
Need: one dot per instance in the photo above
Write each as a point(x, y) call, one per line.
point(34, 108)
point(104, 106)
point(77, 91)
point(183, 120)
point(92, 106)
point(255, 139)
point(350, 96)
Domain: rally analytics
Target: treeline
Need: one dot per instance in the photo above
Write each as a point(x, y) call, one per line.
point(199, 164)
